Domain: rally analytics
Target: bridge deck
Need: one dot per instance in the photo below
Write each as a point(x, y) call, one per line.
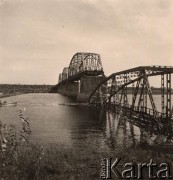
point(78, 76)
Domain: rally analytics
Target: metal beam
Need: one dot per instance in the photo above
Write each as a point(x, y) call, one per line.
point(168, 95)
point(162, 94)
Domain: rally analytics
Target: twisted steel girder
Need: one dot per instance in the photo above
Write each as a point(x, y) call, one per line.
point(132, 75)
point(112, 92)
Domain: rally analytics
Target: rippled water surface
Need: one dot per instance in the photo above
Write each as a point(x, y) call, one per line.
point(57, 119)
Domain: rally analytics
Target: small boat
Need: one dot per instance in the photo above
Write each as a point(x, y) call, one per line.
point(7, 104)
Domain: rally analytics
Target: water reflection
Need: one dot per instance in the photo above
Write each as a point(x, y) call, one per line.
point(120, 132)
point(58, 120)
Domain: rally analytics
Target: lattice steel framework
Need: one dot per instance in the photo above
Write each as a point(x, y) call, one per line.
point(85, 62)
point(114, 92)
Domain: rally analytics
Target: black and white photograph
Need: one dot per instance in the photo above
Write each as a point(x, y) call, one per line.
point(86, 89)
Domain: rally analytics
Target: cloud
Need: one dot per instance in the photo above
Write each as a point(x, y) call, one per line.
point(46, 33)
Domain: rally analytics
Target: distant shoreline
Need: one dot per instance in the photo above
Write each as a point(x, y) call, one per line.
point(10, 95)
point(7, 90)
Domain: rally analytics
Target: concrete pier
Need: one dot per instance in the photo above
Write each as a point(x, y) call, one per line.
point(81, 89)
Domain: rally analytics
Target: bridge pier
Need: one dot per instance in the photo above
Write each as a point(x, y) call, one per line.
point(80, 90)
point(66, 88)
point(81, 77)
point(86, 86)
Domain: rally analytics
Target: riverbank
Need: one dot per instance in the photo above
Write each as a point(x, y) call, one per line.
point(7, 90)
point(56, 162)
point(80, 155)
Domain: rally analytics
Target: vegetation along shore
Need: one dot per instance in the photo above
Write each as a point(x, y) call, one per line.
point(7, 90)
point(22, 159)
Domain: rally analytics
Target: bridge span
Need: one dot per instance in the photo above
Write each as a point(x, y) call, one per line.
point(129, 92)
point(80, 78)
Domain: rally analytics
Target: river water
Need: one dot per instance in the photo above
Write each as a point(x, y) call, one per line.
point(56, 119)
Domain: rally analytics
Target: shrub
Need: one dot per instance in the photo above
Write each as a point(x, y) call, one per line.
point(19, 158)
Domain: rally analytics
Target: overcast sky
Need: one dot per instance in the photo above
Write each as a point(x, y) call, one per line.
point(39, 37)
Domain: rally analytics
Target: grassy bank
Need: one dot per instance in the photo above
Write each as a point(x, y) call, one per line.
point(21, 159)
point(61, 163)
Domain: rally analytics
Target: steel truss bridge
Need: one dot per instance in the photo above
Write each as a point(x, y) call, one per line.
point(82, 64)
point(129, 92)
